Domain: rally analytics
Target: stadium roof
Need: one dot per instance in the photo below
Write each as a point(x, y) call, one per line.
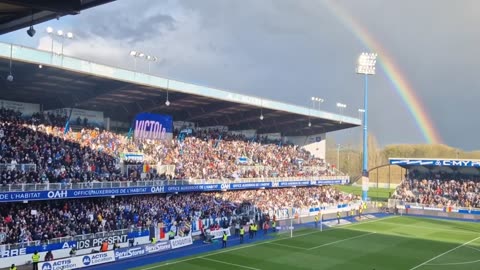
point(465, 166)
point(65, 82)
point(17, 14)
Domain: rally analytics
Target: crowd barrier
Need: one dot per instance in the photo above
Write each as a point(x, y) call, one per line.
point(156, 188)
point(217, 234)
point(444, 212)
point(78, 242)
point(78, 262)
point(117, 255)
point(158, 182)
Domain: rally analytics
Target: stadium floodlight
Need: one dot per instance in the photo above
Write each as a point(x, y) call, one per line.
point(51, 34)
point(365, 66)
point(261, 117)
point(144, 56)
point(61, 34)
point(366, 63)
point(317, 100)
point(341, 107)
point(309, 124)
point(360, 111)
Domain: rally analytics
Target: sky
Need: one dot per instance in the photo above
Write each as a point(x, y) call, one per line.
point(291, 50)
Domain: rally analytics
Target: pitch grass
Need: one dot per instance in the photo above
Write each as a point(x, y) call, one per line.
point(391, 243)
point(376, 194)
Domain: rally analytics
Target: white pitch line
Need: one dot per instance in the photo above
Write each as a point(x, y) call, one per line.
point(283, 245)
point(457, 263)
point(444, 253)
point(342, 240)
point(261, 243)
point(232, 264)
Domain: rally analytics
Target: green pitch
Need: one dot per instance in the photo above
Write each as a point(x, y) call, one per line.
point(391, 243)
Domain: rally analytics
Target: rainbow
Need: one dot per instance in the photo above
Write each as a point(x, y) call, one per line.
point(401, 85)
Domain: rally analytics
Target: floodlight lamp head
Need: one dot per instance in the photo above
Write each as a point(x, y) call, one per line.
point(60, 33)
point(309, 124)
point(10, 77)
point(49, 30)
point(133, 53)
point(70, 35)
point(167, 102)
point(261, 117)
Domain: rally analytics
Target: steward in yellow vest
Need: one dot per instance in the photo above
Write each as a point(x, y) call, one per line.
point(35, 260)
point(242, 232)
point(224, 240)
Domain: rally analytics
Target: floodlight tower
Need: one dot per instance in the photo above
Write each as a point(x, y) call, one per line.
point(365, 66)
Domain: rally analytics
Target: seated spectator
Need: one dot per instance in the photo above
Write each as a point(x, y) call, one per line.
point(49, 256)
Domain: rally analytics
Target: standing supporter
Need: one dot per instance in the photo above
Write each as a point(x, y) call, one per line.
point(104, 247)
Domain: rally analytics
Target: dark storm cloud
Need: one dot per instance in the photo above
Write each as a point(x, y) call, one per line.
point(128, 22)
point(290, 50)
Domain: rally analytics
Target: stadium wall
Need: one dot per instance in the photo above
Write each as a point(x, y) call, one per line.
point(94, 117)
point(315, 144)
point(62, 253)
point(445, 212)
point(27, 109)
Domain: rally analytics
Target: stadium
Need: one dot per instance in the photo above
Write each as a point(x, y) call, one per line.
point(104, 167)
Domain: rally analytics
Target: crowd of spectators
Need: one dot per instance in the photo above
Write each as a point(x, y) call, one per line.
point(91, 154)
point(60, 218)
point(440, 190)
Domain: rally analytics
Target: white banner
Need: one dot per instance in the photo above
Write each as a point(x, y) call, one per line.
point(181, 242)
point(95, 118)
point(27, 109)
point(78, 262)
point(219, 233)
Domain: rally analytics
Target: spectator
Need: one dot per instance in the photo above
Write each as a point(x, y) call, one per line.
point(42, 221)
point(49, 256)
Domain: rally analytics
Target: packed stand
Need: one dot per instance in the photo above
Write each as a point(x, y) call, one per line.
point(94, 155)
point(55, 157)
point(60, 218)
point(439, 191)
